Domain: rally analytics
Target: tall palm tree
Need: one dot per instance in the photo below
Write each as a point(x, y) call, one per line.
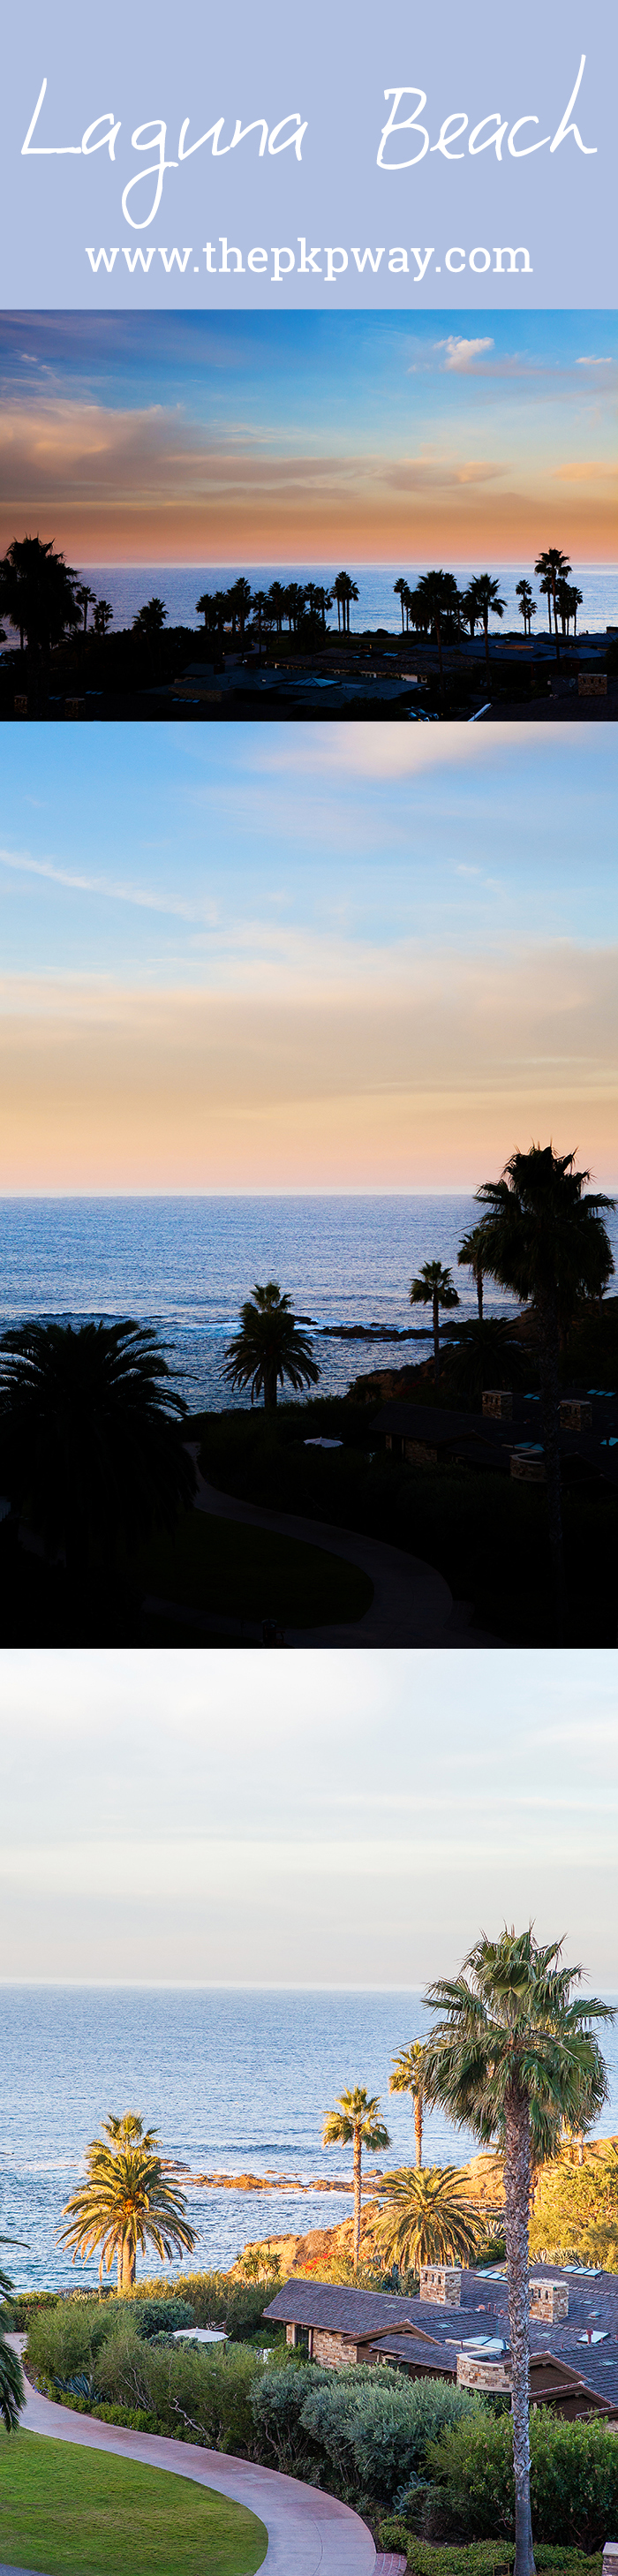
point(490, 604)
point(527, 603)
point(206, 607)
point(512, 2055)
point(410, 2076)
point(437, 596)
point(95, 1431)
point(37, 593)
point(126, 2202)
point(355, 2123)
point(103, 614)
point(434, 1287)
point(546, 1241)
point(85, 598)
point(401, 586)
point(277, 601)
point(471, 608)
point(269, 1348)
point(424, 2218)
point(554, 567)
point(470, 1257)
point(344, 591)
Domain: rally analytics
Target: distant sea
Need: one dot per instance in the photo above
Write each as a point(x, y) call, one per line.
point(234, 2080)
point(186, 1264)
point(179, 585)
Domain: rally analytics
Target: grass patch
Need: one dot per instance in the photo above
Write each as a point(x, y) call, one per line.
point(83, 2513)
point(222, 1568)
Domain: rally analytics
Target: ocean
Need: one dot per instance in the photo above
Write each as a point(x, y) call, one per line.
point(234, 2080)
point(186, 1264)
point(180, 585)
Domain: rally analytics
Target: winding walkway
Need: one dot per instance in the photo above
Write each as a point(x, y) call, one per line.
point(309, 2533)
point(411, 1605)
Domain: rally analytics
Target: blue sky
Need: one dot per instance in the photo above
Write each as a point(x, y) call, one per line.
point(206, 437)
point(256, 958)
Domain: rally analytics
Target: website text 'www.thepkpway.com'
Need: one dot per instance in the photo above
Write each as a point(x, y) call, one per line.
point(308, 259)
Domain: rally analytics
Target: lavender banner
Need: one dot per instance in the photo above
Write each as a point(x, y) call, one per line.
point(342, 154)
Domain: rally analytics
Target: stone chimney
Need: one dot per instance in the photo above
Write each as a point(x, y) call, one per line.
point(498, 1404)
point(549, 2301)
point(441, 2285)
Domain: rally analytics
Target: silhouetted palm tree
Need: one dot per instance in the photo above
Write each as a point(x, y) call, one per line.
point(103, 615)
point(470, 1256)
point(37, 594)
point(355, 2123)
point(401, 586)
point(95, 1432)
point(527, 603)
point(425, 2218)
point(434, 1287)
point(277, 601)
point(269, 1348)
point(85, 598)
point(546, 1241)
point(207, 608)
point(344, 591)
point(490, 604)
point(437, 594)
point(512, 2056)
point(126, 2202)
point(554, 567)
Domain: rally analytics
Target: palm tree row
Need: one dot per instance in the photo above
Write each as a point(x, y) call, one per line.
point(512, 2057)
point(437, 604)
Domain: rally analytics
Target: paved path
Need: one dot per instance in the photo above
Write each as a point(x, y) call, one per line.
point(411, 1606)
point(309, 2534)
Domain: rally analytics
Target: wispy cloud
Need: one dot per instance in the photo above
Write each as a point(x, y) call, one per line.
point(461, 355)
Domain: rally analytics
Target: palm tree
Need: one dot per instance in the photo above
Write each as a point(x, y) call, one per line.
point(95, 1430)
point(103, 615)
point(490, 603)
point(344, 591)
point(277, 601)
point(150, 619)
point(126, 2202)
point(554, 567)
point(546, 1241)
point(401, 586)
point(409, 2076)
point(471, 609)
point(424, 2218)
point(240, 602)
point(434, 1287)
point(437, 596)
point(470, 1255)
point(37, 594)
point(11, 2374)
point(512, 2056)
point(207, 608)
point(269, 1348)
point(85, 599)
point(259, 606)
point(484, 1354)
point(527, 604)
point(355, 2123)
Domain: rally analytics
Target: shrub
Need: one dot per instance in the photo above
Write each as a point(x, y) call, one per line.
point(477, 2558)
point(358, 2428)
point(574, 2478)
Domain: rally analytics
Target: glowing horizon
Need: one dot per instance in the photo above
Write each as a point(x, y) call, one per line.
point(304, 959)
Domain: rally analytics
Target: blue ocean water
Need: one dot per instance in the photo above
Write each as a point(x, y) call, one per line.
point(186, 1264)
point(180, 585)
point(233, 2079)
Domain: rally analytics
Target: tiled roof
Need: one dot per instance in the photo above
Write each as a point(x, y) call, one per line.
point(343, 2311)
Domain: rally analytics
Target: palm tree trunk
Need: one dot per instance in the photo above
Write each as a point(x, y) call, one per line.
point(550, 1404)
point(357, 2194)
point(436, 1341)
point(270, 1387)
point(556, 630)
point(517, 2202)
point(418, 2126)
point(479, 1294)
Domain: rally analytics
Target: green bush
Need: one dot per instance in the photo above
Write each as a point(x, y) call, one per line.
point(574, 2478)
point(363, 2428)
point(477, 2558)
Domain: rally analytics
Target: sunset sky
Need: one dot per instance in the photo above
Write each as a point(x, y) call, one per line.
point(197, 437)
point(270, 1853)
point(292, 958)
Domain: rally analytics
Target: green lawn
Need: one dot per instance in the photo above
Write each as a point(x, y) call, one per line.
point(222, 1567)
point(69, 2512)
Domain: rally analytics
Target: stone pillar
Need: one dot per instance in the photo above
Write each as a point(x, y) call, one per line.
point(549, 2301)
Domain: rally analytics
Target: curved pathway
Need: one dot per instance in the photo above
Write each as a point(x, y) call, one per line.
point(411, 1606)
point(308, 2532)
